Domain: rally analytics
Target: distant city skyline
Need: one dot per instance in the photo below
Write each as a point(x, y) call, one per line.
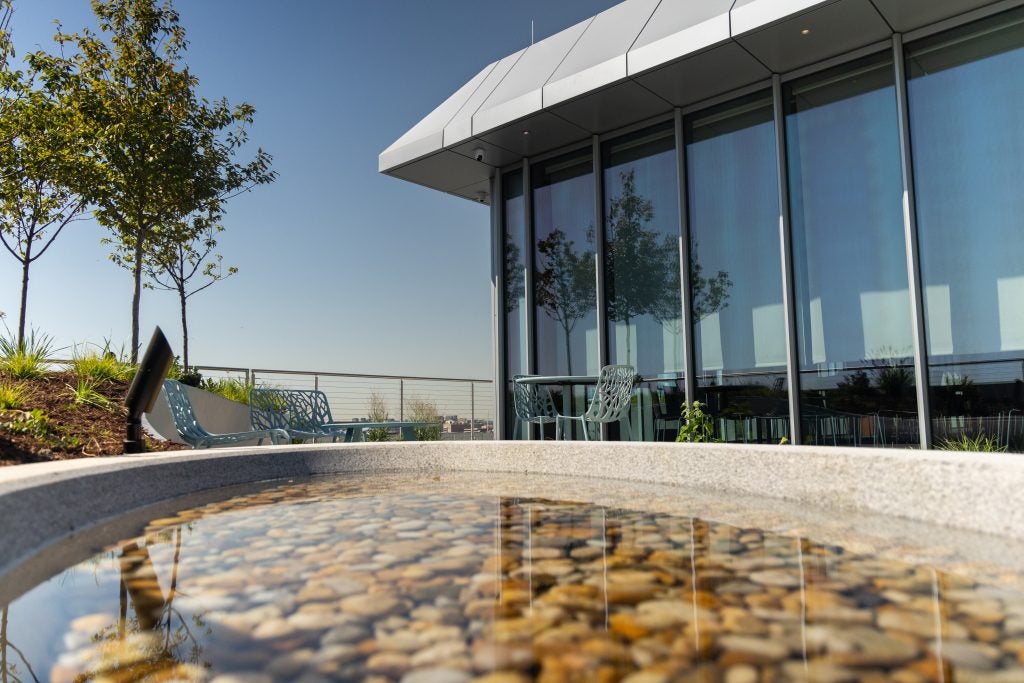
point(341, 269)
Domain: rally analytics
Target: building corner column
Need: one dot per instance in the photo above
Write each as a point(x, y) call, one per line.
point(917, 319)
point(786, 249)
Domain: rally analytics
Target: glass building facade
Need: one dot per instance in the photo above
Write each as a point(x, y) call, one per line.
point(850, 238)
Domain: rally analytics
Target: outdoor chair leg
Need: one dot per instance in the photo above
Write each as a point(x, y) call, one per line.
point(627, 428)
point(558, 429)
point(516, 432)
point(586, 429)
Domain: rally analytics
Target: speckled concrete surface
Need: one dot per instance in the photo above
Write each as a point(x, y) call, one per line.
point(45, 503)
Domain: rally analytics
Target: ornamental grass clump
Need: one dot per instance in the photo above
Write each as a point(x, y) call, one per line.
point(979, 443)
point(84, 393)
point(97, 367)
point(231, 388)
point(12, 395)
point(28, 359)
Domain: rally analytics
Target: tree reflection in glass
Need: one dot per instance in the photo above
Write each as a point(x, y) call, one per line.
point(565, 284)
point(641, 265)
point(648, 259)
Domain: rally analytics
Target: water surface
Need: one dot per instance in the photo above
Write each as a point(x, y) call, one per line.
point(348, 578)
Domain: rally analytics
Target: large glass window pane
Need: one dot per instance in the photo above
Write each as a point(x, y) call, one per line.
point(966, 89)
point(852, 299)
point(736, 272)
point(565, 266)
point(515, 252)
point(641, 218)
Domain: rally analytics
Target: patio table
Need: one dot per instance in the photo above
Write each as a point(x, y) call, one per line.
point(564, 381)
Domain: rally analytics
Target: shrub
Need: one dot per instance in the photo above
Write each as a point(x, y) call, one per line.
point(28, 359)
point(424, 410)
point(979, 443)
point(12, 395)
point(37, 424)
point(192, 378)
point(377, 411)
point(697, 425)
point(231, 388)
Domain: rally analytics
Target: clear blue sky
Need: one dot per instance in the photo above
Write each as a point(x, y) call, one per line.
point(341, 268)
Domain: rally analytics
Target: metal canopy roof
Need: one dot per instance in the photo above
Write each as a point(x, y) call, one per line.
point(638, 59)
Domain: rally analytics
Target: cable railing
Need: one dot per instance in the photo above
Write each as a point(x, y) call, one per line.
point(466, 406)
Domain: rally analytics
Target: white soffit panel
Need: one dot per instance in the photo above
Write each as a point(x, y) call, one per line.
point(704, 75)
point(536, 134)
point(612, 107)
point(445, 171)
point(493, 155)
point(812, 36)
point(520, 93)
point(907, 15)
point(677, 29)
point(427, 135)
point(599, 57)
point(750, 15)
point(479, 191)
point(461, 126)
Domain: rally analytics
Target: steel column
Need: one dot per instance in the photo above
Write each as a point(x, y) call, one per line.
point(599, 257)
point(685, 284)
point(786, 248)
point(499, 342)
point(917, 320)
point(528, 281)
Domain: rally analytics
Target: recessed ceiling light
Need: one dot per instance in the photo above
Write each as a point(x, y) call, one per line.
point(805, 32)
point(526, 132)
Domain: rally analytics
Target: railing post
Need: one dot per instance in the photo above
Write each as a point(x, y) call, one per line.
point(472, 412)
point(401, 400)
point(316, 382)
point(250, 376)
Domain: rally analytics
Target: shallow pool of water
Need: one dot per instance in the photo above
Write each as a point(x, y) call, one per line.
point(347, 578)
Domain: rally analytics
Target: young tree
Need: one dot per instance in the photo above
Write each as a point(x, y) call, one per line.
point(182, 255)
point(39, 157)
point(160, 152)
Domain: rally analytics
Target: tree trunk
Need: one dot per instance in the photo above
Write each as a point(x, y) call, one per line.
point(568, 352)
point(24, 299)
point(628, 349)
point(184, 328)
point(136, 297)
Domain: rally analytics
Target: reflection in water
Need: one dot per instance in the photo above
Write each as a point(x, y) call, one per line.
point(11, 655)
point(321, 579)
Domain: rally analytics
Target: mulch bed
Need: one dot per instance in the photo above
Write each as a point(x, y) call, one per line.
point(73, 430)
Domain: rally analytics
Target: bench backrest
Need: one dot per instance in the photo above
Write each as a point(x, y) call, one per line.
point(299, 409)
point(185, 421)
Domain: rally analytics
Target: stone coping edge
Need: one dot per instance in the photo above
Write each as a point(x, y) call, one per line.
point(41, 504)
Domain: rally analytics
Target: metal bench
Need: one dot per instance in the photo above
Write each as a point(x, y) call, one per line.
point(306, 415)
point(192, 433)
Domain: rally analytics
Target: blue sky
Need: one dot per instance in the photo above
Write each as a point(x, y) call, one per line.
point(341, 268)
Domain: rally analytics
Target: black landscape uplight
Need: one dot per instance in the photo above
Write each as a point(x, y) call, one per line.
point(149, 378)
